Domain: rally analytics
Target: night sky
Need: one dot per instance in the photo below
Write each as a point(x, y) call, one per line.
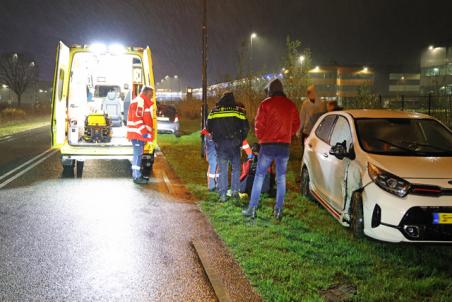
point(371, 32)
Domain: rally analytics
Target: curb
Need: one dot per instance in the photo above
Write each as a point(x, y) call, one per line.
point(217, 285)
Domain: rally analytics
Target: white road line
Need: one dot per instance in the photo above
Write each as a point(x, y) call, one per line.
point(24, 164)
point(5, 138)
point(53, 151)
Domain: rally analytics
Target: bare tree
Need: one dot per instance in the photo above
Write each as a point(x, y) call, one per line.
point(18, 71)
point(366, 97)
point(297, 64)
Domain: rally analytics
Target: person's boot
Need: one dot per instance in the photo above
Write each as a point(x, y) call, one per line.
point(140, 180)
point(223, 198)
point(235, 195)
point(278, 214)
point(250, 212)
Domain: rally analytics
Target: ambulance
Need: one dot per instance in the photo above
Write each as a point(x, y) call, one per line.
point(92, 90)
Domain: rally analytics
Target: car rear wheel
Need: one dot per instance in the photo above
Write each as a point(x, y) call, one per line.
point(304, 186)
point(357, 216)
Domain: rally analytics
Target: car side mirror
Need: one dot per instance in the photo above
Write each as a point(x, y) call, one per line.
point(339, 151)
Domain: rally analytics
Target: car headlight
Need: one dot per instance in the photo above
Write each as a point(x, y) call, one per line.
point(389, 182)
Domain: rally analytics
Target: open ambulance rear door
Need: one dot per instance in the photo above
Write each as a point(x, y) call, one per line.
point(59, 96)
point(149, 81)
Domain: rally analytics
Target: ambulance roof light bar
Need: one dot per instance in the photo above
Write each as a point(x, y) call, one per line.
point(115, 49)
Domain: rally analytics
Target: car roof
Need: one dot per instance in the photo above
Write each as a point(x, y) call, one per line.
point(381, 113)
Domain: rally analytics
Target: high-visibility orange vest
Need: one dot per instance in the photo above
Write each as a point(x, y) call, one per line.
point(139, 120)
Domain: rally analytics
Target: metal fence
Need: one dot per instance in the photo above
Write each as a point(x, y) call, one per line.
point(439, 107)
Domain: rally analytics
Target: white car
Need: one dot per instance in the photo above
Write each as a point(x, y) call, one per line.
point(385, 174)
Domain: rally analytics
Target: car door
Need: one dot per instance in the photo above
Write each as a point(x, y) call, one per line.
point(317, 152)
point(335, 171)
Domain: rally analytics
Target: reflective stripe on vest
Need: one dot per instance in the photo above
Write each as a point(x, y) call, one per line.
point(223, 114)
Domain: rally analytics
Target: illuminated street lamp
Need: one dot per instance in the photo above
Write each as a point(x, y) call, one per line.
point(176, 76)
point(365, 69)
point(4, 86)
point(431, 47)
point(301, 59)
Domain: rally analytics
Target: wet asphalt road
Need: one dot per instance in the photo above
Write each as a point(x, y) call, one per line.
point(99, 238)
point(17, 149)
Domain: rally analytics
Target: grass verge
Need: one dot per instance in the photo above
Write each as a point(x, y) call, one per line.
point(13, 127)
point(309, 256)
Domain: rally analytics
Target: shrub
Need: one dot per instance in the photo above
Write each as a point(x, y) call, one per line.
point(13, 114)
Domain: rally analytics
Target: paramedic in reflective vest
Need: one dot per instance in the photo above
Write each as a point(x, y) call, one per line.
point(229, 127)
point(277, 121)
point(140, 129)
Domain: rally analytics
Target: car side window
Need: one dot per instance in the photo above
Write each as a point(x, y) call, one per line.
point(323, 131)
point(341, 133)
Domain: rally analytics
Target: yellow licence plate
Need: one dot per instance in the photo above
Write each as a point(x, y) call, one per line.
point(442, 218)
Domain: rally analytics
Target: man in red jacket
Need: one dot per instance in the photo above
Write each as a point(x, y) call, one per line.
point(277, 121)
point(140, 129)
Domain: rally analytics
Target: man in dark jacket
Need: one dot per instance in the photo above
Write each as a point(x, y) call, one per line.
point(277, 121)
point(229, 127)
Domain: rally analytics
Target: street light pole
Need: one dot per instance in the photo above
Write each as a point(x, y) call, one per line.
point(204, 74)
point(252, 37)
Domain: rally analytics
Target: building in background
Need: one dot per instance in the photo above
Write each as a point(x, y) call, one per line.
point(436, 71)
point(404, 84)
point(339, 82)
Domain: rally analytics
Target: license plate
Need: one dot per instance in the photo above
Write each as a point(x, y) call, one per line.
point(442, 218)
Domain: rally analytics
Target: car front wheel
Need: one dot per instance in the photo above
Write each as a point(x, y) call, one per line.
point(304, 186)
point(357, 216)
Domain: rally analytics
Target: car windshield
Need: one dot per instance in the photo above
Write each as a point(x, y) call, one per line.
point(404, 136)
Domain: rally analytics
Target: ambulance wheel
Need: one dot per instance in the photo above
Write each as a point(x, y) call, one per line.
point(147, 164)
point(68, 168)
point(80, 165)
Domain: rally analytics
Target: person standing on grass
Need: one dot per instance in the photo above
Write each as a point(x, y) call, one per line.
point(311, 109)
point(277, 121)
point(229, 128)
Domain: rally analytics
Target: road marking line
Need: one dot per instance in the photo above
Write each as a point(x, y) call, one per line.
point(26, 163)
point(6, 140)
point(5, 137)
point(27, 169)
